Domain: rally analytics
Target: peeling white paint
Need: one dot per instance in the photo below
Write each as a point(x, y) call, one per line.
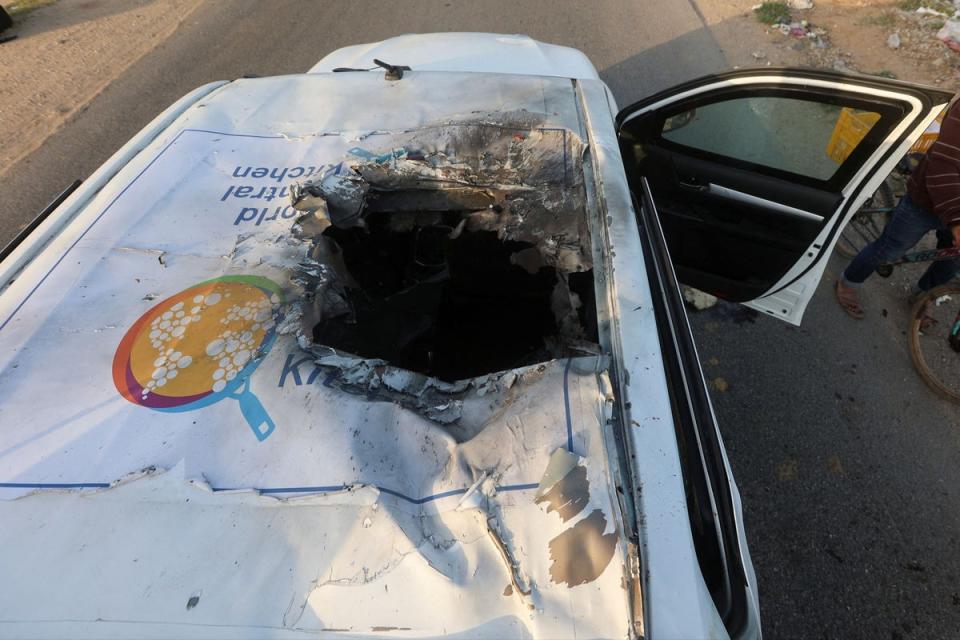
point(344, 516)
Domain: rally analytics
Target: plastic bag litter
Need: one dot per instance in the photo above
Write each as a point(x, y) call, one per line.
point(950, 34)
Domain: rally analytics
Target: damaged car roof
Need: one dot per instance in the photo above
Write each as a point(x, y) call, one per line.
point(176, 423)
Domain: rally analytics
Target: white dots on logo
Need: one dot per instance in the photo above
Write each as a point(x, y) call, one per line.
point(233, 349)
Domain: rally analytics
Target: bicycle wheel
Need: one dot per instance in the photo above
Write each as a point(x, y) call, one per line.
point(934, 337)
point(867, 224)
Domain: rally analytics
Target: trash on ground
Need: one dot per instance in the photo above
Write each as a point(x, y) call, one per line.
point(699, 300)
point(949, 34)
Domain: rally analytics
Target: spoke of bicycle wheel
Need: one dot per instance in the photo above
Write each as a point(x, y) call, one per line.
point(876, 225)
point(858, 227)
point(847, 246)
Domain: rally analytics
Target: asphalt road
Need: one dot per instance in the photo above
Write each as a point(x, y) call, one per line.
point(848, 466)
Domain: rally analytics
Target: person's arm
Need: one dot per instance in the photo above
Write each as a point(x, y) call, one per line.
point(943, 172)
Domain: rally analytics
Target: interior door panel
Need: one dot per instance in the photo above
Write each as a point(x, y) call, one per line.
point(758, 245)
point(754, 172)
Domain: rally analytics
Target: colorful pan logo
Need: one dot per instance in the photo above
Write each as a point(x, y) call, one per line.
point(200, 346)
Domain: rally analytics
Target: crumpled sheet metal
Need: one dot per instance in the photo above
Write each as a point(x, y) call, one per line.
point(491, 560)
point(95, 435)
point(522, 182)
point(201, 549)
point(532, 178)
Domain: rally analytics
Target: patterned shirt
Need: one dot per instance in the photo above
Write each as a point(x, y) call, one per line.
point(935, 183)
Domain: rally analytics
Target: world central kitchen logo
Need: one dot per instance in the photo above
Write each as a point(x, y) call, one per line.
point(200, 346)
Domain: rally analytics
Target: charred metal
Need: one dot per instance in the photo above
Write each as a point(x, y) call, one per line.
point(462, 253)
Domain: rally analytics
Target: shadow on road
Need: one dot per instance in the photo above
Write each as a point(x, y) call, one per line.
point(689, 56)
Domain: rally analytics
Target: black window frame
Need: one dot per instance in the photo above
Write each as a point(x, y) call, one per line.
point(706, 485)
point(649, 127)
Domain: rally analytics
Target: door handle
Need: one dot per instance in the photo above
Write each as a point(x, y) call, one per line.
point(692, 184)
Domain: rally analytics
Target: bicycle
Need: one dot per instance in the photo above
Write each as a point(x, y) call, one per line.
point(868, 222)
point(934, 331)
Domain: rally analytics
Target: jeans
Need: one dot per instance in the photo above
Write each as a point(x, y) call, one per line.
point(908, 223)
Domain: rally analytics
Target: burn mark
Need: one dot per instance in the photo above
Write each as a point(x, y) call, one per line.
point(461, 251)
point(581, 554)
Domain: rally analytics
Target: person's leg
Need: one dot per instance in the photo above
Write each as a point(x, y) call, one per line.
point(908, 223)
point(942, 271)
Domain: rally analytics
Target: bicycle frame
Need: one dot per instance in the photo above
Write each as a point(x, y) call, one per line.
point(930, 255)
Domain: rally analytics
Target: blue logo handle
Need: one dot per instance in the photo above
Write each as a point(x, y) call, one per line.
point(254, 412)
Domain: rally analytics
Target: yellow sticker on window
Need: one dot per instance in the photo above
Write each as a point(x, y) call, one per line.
point(851, 128)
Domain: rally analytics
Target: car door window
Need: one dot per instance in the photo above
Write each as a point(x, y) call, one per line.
point(803, 137)
point(754, 172)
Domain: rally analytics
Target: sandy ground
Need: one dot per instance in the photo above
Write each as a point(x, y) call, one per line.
point(855, 34)
point(744, 41)
point(65, 54)
point(861, 30)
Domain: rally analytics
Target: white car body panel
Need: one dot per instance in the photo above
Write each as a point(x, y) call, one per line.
point(162, 514)
point(675, 581)
point(167, 510)
point(465, 53)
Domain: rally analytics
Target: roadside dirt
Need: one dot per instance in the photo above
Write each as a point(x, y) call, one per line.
point(844, 35)
point(65, 54)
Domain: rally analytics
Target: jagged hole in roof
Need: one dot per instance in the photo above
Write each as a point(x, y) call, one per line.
point(461, 253)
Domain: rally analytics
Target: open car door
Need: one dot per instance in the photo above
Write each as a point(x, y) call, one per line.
point(754, 173)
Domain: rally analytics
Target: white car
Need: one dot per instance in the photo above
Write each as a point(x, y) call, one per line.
point(396, 348)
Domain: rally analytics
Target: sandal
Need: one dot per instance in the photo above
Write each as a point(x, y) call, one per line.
point(849, 302)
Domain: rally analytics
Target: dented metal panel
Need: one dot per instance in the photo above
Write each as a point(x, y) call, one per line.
point(279, 484)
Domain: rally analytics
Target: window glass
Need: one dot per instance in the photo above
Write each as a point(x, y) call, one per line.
point(800, 136)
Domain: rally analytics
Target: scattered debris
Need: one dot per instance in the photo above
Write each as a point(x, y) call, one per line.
point(914, 565)
point(801, 5)
point(699, 300)
point(787, 470)
point(772, 12)
point(834, 466)
point(949, 34)
point(916, 30)
point(720, 384)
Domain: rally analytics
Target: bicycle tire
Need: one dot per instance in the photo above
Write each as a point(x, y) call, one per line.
point(914, 334)
point(864, 228)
